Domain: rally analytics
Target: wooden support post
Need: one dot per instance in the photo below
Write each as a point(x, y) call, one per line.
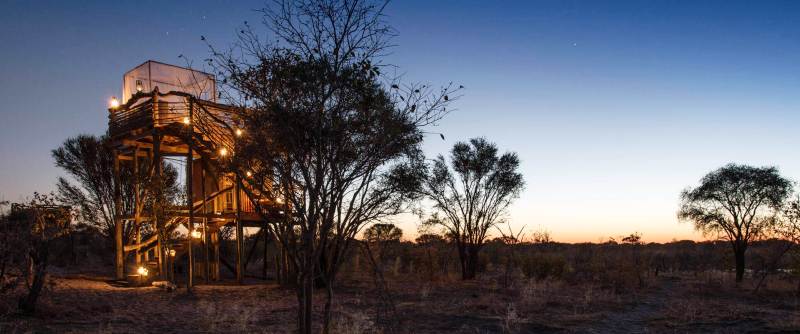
point(206, 234)
point(266, 244)
point(137, 205)
point(239, 234)
point(157, 205)
point(215, 242)
point(119, 259)
point(278, 271)
point(190, 201)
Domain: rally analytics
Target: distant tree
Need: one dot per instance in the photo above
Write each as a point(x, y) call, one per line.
point(738, 202)
point(472, 196)
point(633, 239)
point(383, 236)
point(541, 236)
point(429, 238)
point(383, 232)
point(324, 133)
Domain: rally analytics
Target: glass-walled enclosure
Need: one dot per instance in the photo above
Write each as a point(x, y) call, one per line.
point(151, 74)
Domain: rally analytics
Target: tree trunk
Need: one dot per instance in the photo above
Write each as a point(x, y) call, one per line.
point(305, 294)
point(738, 251)
point(462, 258)
point(38, 258)
point(326, 323)
point(469, 263)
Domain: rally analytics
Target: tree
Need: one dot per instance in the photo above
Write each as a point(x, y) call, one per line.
point(383, 232)
point(26, 234)
point(473, 196)
point(789, 229)
point(739, 203)
point(384, 236)
point(89, 161)
point(324, 138)
point(634, 238)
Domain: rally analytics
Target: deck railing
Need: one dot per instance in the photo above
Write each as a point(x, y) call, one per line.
point(212, 122)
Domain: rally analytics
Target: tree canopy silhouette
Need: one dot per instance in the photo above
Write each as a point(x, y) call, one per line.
point(383, 232)
point(324, 134)
point(89, 161)
point(472, 196)
point(738, 202)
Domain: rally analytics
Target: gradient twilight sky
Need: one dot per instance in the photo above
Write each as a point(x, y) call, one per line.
point(613, 107)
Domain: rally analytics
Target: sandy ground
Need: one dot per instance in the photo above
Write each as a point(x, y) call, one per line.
point(668, 305)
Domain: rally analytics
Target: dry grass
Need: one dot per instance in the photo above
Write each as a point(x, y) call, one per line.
point(681, 303)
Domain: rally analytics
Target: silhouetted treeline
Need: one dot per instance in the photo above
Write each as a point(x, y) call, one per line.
point(615, 265)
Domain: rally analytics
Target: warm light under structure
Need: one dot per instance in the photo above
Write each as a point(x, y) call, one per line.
point(142, 271)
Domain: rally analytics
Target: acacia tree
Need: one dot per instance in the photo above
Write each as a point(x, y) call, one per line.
point(472, 196)
point(324, 136)
point(738, 203)
point(382, 235)
point(89, 162)
point(383, 232)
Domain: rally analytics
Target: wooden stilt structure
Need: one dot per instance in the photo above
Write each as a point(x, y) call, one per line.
point(151, 125)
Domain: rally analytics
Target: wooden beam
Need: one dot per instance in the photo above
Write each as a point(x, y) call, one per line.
point(205, 222)
point(239, 234)
point(119, 259)
point(266, 243)
point(137, 203)
point(156, 161)
point(189, 202)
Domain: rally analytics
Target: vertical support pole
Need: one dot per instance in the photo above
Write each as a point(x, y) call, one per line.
point(119, 259)
point(266, 243)
point(215, 242)
point(239, 233)
point(190, 200)
point(157, 205)
point(137, 205)
point(206, 233)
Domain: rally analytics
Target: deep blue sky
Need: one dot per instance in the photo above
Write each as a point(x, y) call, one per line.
point(614, 107)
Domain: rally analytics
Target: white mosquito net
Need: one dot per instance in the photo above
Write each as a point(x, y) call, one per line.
point(152, 74)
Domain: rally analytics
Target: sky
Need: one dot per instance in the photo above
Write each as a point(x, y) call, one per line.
point(613, 107)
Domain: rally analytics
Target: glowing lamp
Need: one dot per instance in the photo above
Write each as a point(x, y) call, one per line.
point(249, 174)
point(139, 87)
point(114, 103)
point(186, 120)
point(196, 234)
point(223, 152)
point(239, 132)
point(142, 271)
point(172, 252)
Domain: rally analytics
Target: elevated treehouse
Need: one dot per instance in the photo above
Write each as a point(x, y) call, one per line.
point(169, 111)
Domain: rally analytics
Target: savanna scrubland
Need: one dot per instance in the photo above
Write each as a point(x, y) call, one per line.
point(681, 286)
point(330, 142)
